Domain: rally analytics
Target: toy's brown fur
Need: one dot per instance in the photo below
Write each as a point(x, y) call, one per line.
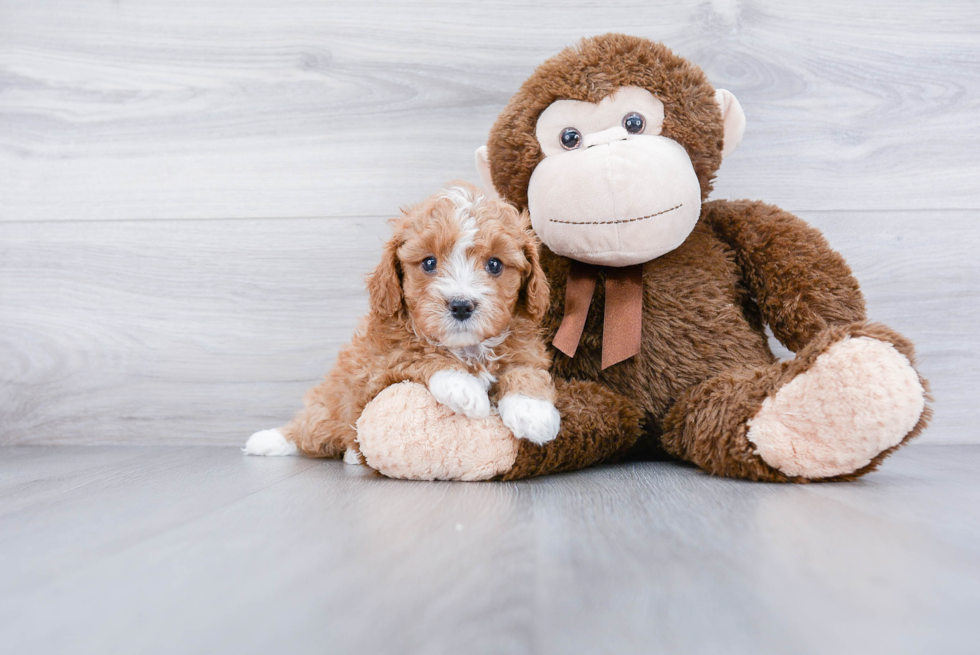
point(398, 340)
point(705, 366)
point(597, 425)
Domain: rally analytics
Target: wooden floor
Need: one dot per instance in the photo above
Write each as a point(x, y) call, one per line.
point(202, 550)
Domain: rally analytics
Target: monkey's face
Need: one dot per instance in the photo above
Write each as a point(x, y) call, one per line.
point(611, 189)
point(612, 146)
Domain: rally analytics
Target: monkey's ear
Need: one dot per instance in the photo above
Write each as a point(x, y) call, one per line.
point(483, 168)
point(733, 118)
point(385, 284)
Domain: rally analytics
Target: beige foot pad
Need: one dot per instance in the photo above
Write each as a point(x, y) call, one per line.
point(859, 398)
point(404, 433)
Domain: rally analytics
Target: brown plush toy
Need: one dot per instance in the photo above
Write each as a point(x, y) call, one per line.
point(659, 299)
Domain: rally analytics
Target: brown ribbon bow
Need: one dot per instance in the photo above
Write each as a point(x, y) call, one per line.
point(622, 317)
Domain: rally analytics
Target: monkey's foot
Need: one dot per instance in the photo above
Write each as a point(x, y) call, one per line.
point(859, 398)
point(405, 433)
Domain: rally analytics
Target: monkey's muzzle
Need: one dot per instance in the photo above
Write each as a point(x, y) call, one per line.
point(586, 204)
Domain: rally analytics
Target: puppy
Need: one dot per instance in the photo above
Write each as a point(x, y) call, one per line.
point(455, 305)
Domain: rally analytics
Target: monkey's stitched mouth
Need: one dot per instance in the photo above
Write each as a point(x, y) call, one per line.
point(625, 220)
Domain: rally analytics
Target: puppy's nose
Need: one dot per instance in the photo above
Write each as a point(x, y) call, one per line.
point(461, 308)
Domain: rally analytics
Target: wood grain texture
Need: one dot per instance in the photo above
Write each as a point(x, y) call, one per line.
point(203, 550)
point(201, 332)
point(172, 332)
point(305, 108)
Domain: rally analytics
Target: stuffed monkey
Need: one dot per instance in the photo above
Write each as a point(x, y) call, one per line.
point(660, 298)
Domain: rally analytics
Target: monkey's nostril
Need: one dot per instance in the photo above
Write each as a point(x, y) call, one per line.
point(461, 308)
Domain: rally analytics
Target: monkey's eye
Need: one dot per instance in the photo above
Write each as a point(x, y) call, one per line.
point(570, 138)
point(494, 266)
point(429, 264)
point(634, 123)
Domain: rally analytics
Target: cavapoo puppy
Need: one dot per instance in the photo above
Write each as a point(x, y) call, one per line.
point(454, 305)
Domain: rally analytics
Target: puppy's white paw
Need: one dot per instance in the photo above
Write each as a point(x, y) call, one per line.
point(269, 443)
point(461, 392)
point(352, 457)
point(529, 418)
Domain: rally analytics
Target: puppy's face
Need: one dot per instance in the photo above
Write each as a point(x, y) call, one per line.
point(461, 265)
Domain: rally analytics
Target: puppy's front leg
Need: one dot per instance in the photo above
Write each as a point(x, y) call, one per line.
point(527, 404)
point(461, 392)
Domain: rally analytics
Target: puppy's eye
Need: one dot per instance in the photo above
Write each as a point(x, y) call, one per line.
point(429, 264)
point(634, 122)
point(570, 138)
point(494, 266)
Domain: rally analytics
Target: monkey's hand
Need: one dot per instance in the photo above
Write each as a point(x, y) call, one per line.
point(461, 392)
point(405, 433)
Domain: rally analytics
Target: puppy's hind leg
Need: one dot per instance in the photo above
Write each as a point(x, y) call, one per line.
point(308, 434)
point(316, 432)
point(269, 443)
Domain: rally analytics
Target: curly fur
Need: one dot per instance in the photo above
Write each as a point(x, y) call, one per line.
point(408, 335)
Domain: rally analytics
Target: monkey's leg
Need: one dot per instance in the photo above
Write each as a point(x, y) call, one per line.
point(848, 399)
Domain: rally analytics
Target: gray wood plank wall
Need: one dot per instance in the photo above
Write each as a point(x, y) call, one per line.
point(191, 191)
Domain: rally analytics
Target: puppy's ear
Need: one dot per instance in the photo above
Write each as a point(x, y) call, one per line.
point(385, 284)
point(537, 294)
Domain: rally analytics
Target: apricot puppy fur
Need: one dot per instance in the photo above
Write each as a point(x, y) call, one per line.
point(455, 305)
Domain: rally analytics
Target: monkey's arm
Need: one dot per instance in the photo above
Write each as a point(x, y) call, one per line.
point(405, 433)
point(801, 285)
point(597, 425)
